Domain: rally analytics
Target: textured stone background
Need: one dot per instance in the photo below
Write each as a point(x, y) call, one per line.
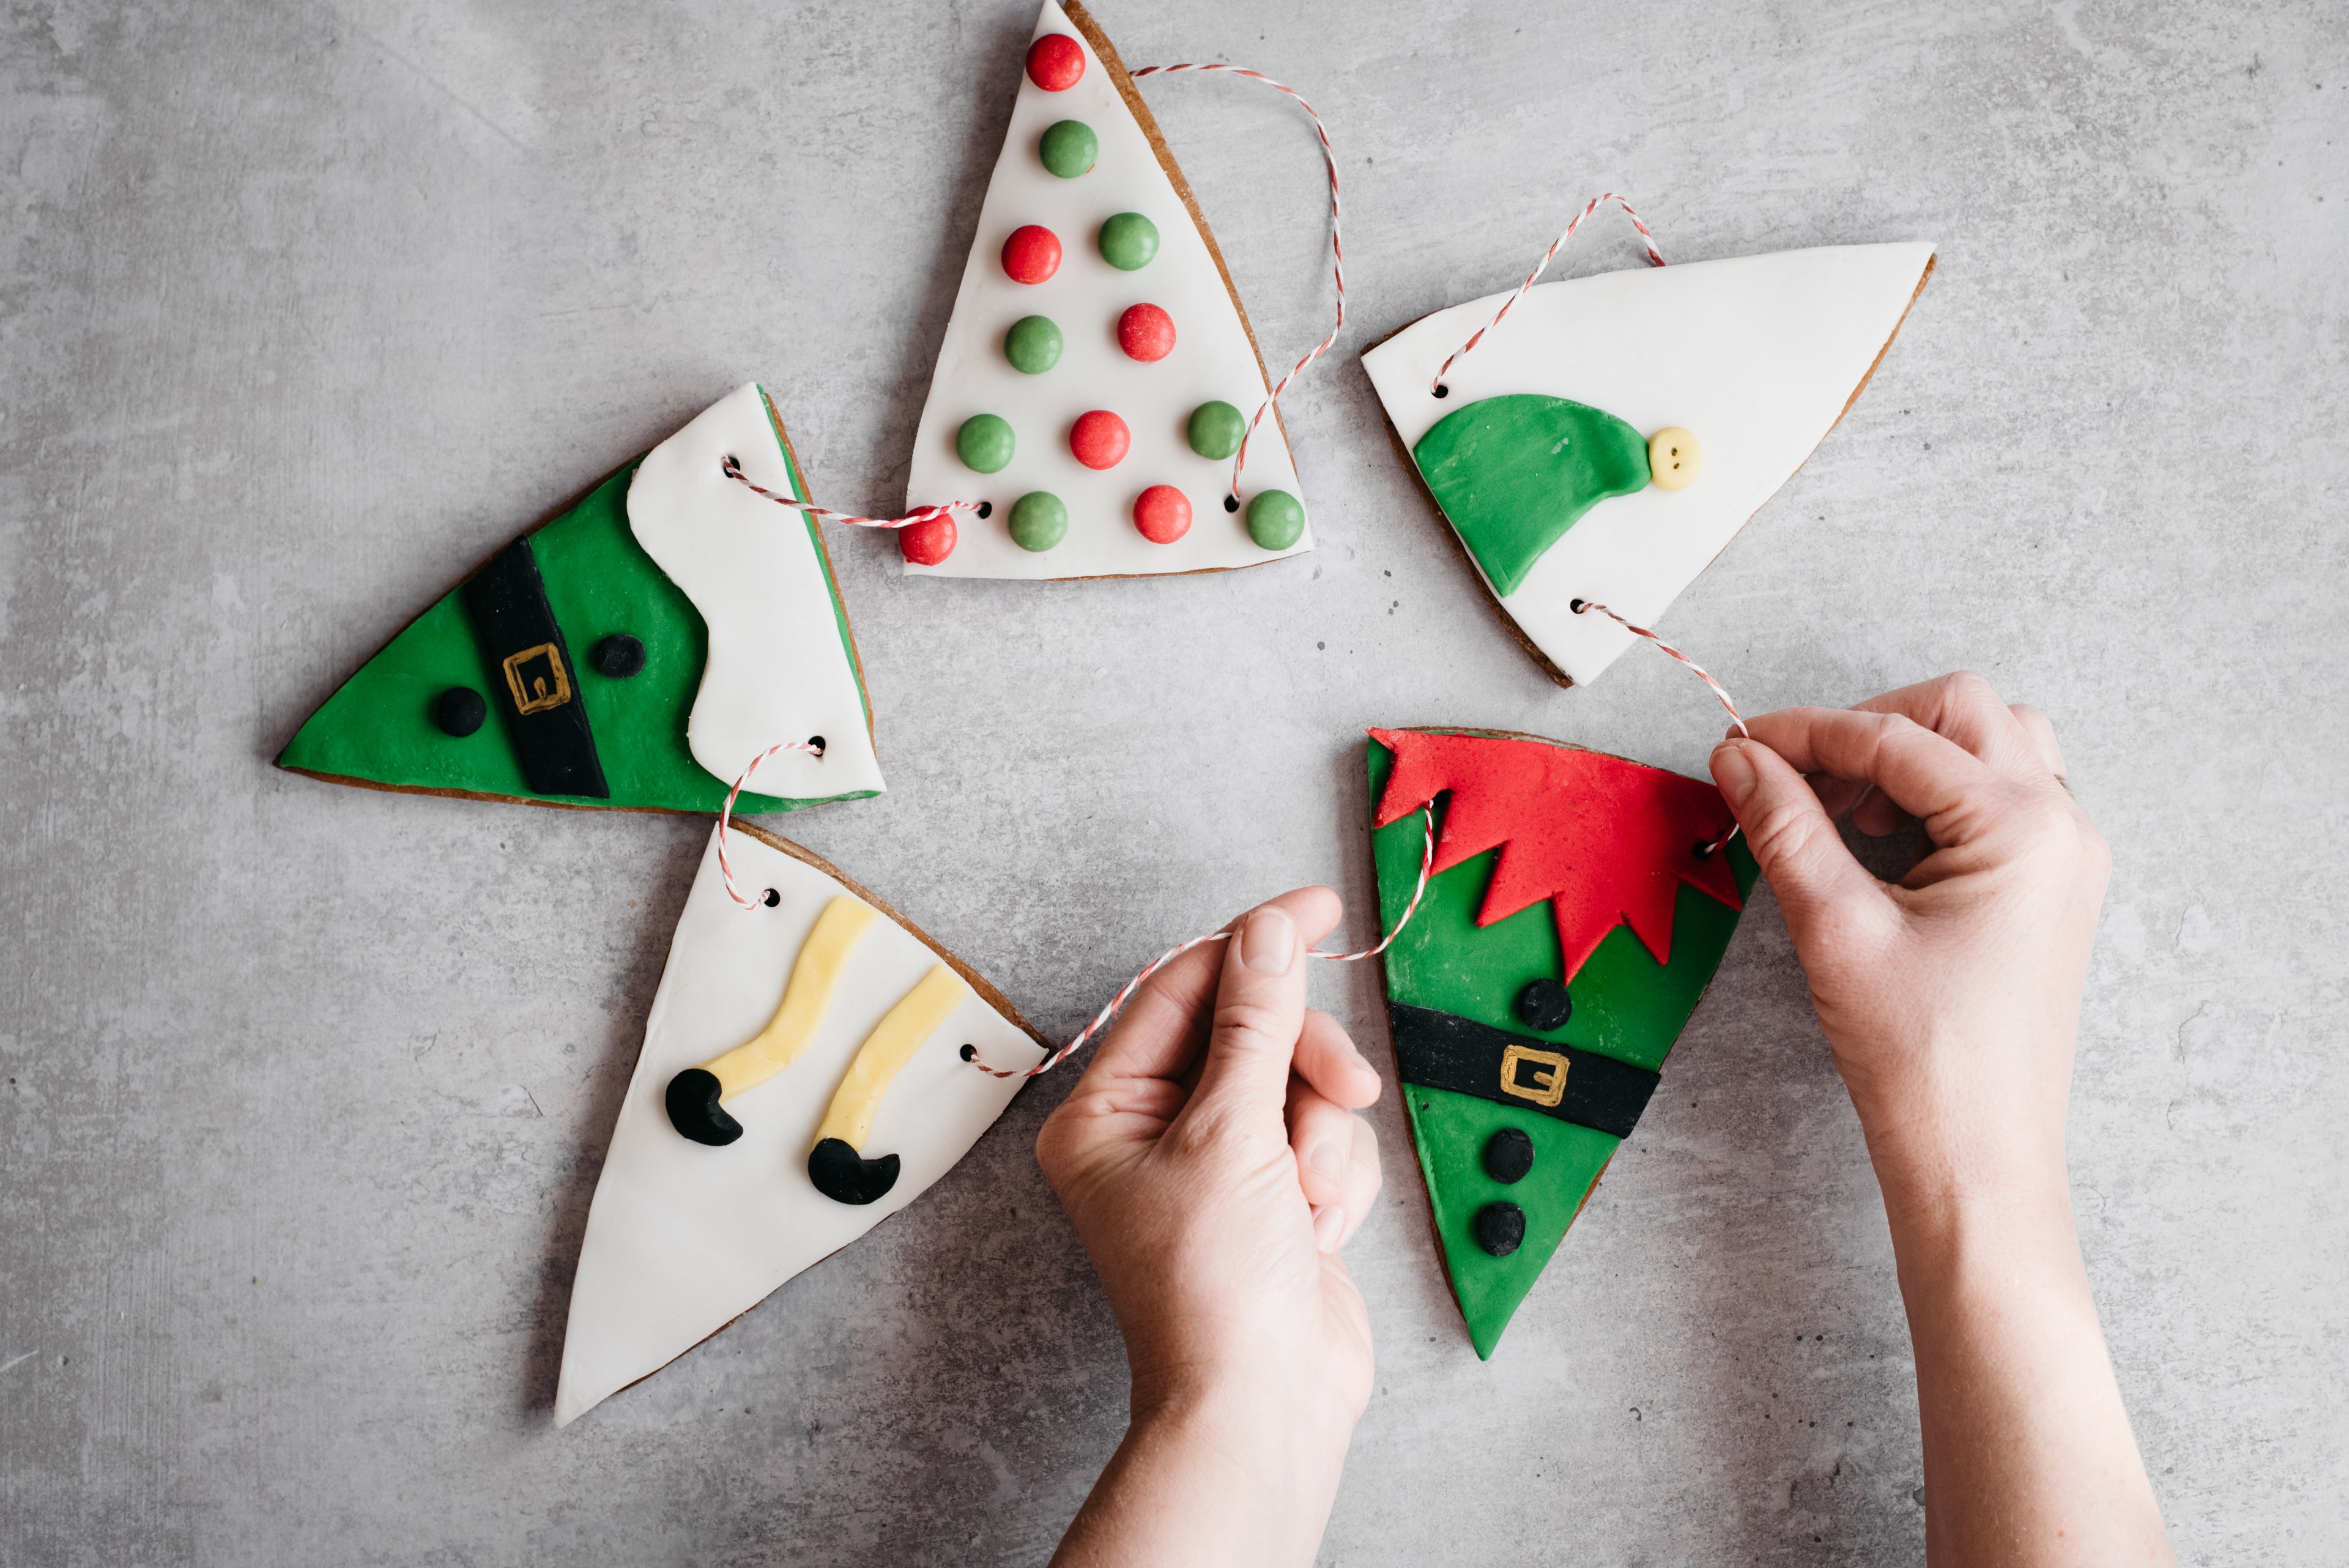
point(304, 308)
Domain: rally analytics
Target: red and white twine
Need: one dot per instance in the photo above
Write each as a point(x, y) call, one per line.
point(1579, 606)
point(726, 812)
point(1337, 247)
point(1101, 1019)
point(1655, 258)
point(733, 471)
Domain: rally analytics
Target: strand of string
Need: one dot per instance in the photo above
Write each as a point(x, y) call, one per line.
point(733, 471)
point(1100, 1020)
point(1580, 606)
point(1336, 250)
point(1655, 258)
point(813, 746)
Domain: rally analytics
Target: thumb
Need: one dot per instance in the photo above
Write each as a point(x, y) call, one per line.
point(1814, 875)
point(1260, 1012)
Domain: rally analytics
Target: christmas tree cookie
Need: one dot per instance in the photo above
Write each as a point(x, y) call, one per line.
point(637, 651)
point(1609, 436)
point(1098, 372)
point(1578, 905)
point(803, 1078)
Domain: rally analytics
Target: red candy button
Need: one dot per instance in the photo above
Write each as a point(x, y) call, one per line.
point(1055, 61)
point(1162, 513)
point(928, 544)
point(1099, 439)
point(1032, 254)
point(1145, 333)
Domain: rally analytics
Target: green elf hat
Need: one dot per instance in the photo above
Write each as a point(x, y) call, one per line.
point(1577, 906)
point(638, 652)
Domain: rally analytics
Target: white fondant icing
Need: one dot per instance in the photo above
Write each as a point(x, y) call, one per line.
point(779, 665)
point(1212, 362)
point(1757, 356)
point(683, 1237)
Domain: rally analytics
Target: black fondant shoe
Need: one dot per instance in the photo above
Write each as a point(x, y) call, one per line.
point(843, 1175)
point(694, 1110)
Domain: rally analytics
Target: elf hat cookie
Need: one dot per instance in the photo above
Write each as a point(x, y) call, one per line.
point(1578, 905)
point(1098, 373)
point(835, 1031)
point(1608, 436)
point(637, 651)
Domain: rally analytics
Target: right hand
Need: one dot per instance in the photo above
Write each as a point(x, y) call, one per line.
point(1951, 997)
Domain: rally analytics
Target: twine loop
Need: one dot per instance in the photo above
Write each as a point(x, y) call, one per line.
point(1655, 258)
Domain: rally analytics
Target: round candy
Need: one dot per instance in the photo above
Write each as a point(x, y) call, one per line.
point(1500, 1228)
point(928, 544)
point(460, 712)
point(1068, 148)
point(1162, 513)
point(1128, 240)
point(1055, 62)
point(1039, 521)
point(1544, 1004)
point(1099, 439)
point(1276, 519)
point(1033, 343)
point(1032, 254)
point(1215, 430)
point(985, 442)
point(1146, 333)
point(1508, 1154)
point(1674, 458)
point(618, 656)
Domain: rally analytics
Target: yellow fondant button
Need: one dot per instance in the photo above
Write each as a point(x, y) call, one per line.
point(1675, 458)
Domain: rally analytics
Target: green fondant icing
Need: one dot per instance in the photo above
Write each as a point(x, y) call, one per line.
point(1514, 474)
point(379, 728)
point(1626, 1006)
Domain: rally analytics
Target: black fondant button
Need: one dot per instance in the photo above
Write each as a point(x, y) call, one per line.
point(1544, 1005)
point(618, 656)
point(1500, 1228)
point(693, 1109)
point(843, 1175)
point(1508, 1154)
point(459, 710)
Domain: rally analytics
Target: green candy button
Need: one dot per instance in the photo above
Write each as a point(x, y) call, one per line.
point(1215, 430)
point(1276, 519)
point(1039, 520)
point(985, 442)
point(1033, 345)
point(1069, 148)
point(1128, 242)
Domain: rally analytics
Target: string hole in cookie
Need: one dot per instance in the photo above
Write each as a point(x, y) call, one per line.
point(815, 744)
point(771, 898)
point(987, 509)
point(968, 1052)
point(1442, 391)
point(1231, 504)
point(1704, 851)
point(1577, 605)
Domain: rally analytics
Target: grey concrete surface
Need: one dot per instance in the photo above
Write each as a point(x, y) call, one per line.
point(305, 308)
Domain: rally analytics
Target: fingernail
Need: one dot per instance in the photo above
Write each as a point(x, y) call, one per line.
point(1327, 1160)
point(1733, 772)
point(1269, 942)
point(1328, 1228)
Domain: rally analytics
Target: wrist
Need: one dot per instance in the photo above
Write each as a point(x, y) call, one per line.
point(1287, 1435)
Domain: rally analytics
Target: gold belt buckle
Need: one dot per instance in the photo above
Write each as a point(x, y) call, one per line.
point(1546, 1086)
point(536, 690)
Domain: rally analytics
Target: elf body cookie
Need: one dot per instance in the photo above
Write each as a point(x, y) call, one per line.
point(1568, 930)
point(1098, 370)
point(637, 651)
point(833, 1030)
point(1612, 434)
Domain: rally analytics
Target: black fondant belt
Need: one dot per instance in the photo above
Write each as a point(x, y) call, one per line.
point(529, 675)
point(1443, 1051)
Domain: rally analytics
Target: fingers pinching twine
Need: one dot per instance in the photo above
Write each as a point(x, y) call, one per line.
point(1337, 255)
point(1655, 258)
point(1101, 1019)
point(813, 746)
point(1580, 606)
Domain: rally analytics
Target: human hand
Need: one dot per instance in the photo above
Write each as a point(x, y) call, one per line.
point(1950, 998)
point(1211, 1162)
